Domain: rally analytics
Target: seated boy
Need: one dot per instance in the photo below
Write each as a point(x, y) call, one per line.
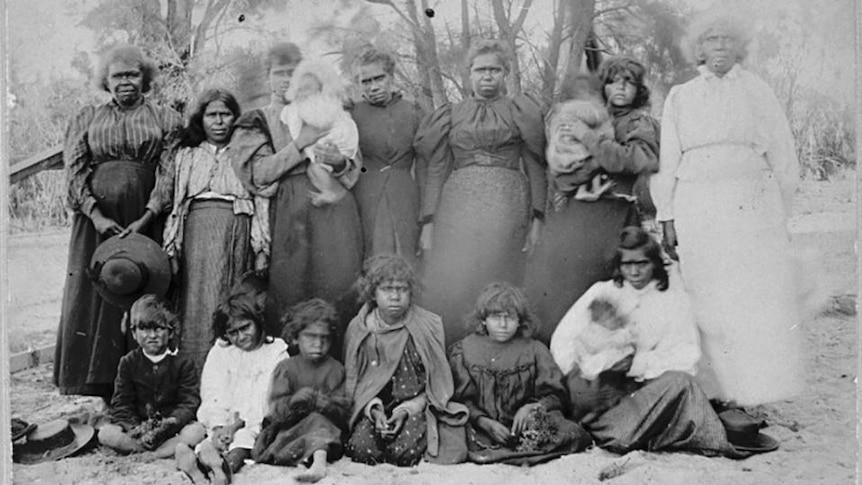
point(156, 393)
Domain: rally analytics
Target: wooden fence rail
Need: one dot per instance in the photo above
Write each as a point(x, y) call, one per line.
point(50, 159)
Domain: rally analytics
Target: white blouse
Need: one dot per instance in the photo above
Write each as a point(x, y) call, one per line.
point(235, 380)
point(665, 334)
point(737, 111)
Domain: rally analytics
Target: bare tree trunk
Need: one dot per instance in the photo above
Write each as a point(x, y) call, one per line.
point(509, 32)
point(549, 72)
point(437, 88)
point(465, 43)
point(581, 23)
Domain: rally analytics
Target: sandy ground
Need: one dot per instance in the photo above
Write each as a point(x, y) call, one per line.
point(817, 430)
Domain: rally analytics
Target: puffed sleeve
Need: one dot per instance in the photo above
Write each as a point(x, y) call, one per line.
point(255, 161)
point(663, 183)
point(529, 118)
point(637, 152)
point(466, 391)
point(162, 194)
point(550, 392)
point(76, 160)
point(420, 167)
point(563, 347)
point(432, 148)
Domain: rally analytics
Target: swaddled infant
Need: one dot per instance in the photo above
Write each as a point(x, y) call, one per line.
point(317, 101)
point(606, 340)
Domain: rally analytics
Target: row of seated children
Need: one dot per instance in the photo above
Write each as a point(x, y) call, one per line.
point(497, 396)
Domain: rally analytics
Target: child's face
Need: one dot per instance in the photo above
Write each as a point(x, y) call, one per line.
point(393, 300)
point(152, 338)
point(314, 341)
point(306, 86)
point(244, 334)
point(620, 91)
point(636, 267)
point(502, 326)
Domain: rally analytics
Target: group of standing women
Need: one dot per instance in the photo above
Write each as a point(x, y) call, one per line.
point(481, 191)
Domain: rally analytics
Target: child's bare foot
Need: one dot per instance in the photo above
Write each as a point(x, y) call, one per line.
point(188, 463)
point(317, 469)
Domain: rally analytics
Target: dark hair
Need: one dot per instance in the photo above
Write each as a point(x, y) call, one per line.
point(301, 315)
point(382, 268)
point(193, 134)
point(373, 55)
point(490, 46)
point(632, 70)
point(153, 309)
point(239, 306)
point(632, 238)
point(129, 54)
point(282, 53)
point(501, 297)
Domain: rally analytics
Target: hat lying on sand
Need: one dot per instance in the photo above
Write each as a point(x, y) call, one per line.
point(124, 269)
point(743, 432)
point(21, 428)
point(52, 441)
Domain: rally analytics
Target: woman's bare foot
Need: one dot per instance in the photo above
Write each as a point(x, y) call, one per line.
point(188, 463)
point(317, 469)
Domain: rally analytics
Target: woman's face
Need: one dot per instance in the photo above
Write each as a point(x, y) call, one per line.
point(244, 334)
point(125, 82)
point(620, 91)
point(502, 326)
point(279, 77)
point(393, 300)
point(375, 82)
point(636, 267)
point(218, 120)
point(720, 48)
point(487, 75)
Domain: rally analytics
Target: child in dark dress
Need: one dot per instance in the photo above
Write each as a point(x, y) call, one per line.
point(308, 409)
point(511, 385)
point(156, 392)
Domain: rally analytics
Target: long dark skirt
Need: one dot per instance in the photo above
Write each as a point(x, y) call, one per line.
point(479, 233)
point(316, 252)
point(90, 340)
point(216, 252)
point(575, 252)
point(669, 413)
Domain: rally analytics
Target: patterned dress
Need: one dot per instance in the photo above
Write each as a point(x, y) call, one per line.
point(215, 230)
point(494, 380)
point(480, 198)
point(115, 159)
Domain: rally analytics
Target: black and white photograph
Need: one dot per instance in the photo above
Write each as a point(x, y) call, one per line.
point(483, 242)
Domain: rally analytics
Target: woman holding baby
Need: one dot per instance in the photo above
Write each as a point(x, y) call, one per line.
point(629, 350)
point(304, 156)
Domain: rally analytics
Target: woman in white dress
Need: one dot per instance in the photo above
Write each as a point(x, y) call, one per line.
point(723, 193)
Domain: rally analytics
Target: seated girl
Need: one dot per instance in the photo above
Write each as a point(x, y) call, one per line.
point(398, 376)
point(308, 410)
point(511, 385)
point(234, 388)
point(648, 400)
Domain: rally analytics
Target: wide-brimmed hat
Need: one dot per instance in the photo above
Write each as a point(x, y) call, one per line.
point(21, 428)
point(743, 432)
point(52, 441)
point(124, 269)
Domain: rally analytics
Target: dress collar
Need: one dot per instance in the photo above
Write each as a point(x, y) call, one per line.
point(733, 73)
